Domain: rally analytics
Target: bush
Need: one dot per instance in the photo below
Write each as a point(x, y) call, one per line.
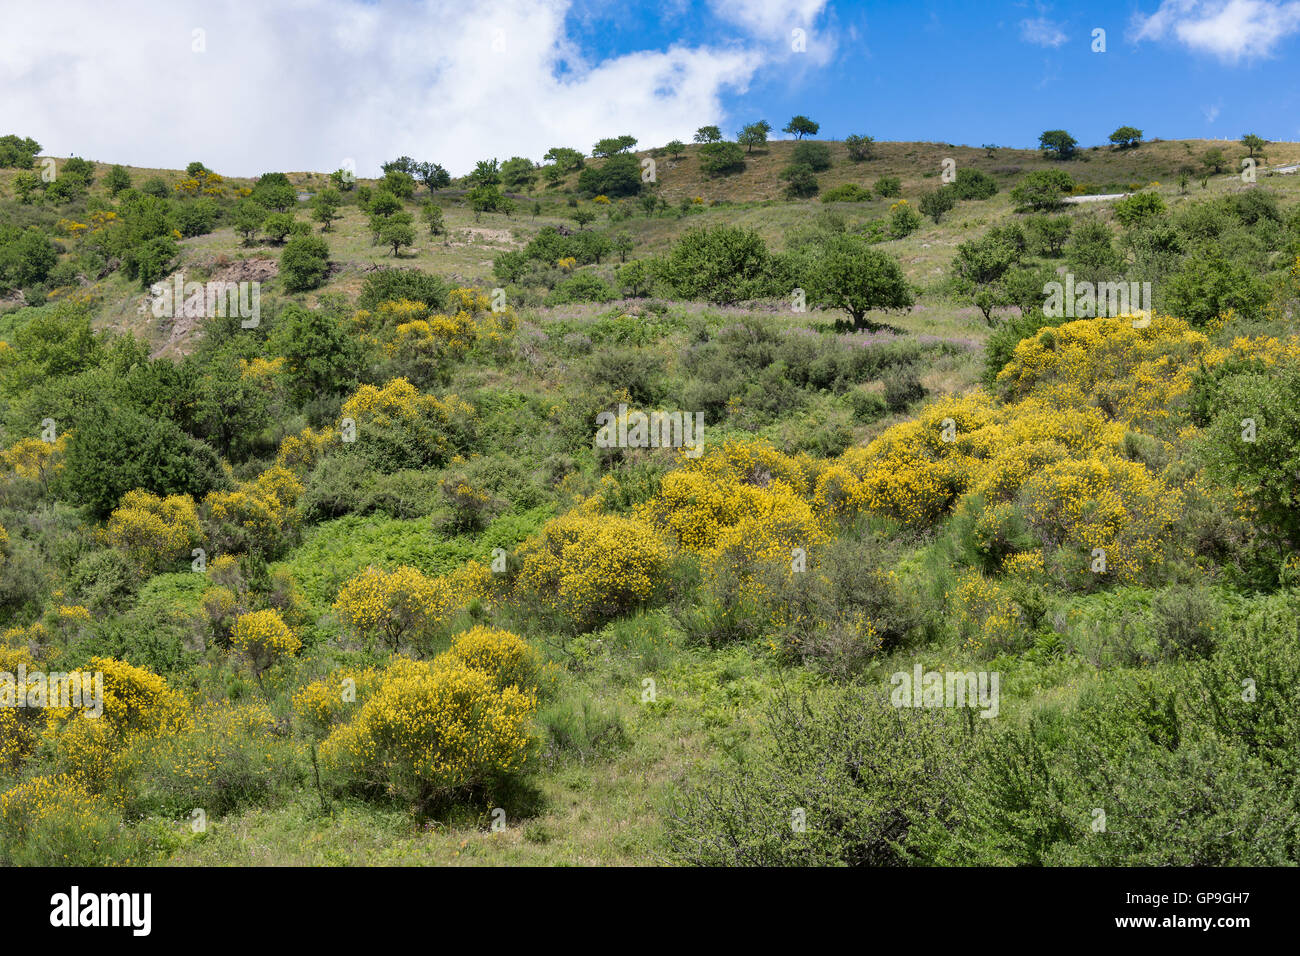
point(121, 450)
point(393, 285)
point(581, 287)
point(849, 192)
point(902, 389)
point(55, 821)
point(840, 779)
point(888, 186)
point(815, 155)
point(974, 184)
point(590, 569)
point(1042, 189)
point(723, 264)
point(721, 159)
point(434, 732)
point(304, 264)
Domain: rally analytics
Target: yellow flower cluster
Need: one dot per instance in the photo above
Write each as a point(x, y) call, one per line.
point(263, 509)
point(406, 605)
point(989, 620)
point(33, 458)
point(27, 806)
point(321, 704)
point(434, 729)
point(505, 655)
point(137, 704)
point(264, 638)
point(152, 530)
point(592, 568)
point(299, 453)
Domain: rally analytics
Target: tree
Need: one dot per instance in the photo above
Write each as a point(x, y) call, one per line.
point(860, 147)
point(1262, 469)
point(979, 268)
point(247, 219)
point(565, 159)
point(321, 358)
point(708, 134)
point(1210, 284)
point(304, 264)
point(119, 449)
point(1253, 143)
point(518, 172)
point(16, 153)
point(402, 164)
point(486, 173)
point(1042, 189)
point(274, 191)
point(1057, 144)
point(1049, 233)
point(852, 275)
point(433, 216)
point(937, 202)
point(620, 175)
point(118, 180)
point(278, 225)
point(1090, 252)
point(801, 181)
point(720, 159)
point(622, 244)
point(801, 126)
point(816, 155)
point(399, 183)
point(1214, 159)
point(755, 134)
point(27, 185)
point(723, 264)
point(613, 146)
point(432, 175)
point(1138, 208)
point(583, 217)
point(675, 148)
point(27, 259)
point(1126, 137)
point(344, 180)
point(484, 198)
point(325, 207)
point(398, 231)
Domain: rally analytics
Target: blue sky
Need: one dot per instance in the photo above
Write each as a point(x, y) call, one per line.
point(1001, 72)
point(318, 84)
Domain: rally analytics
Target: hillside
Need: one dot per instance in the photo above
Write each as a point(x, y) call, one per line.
point(400, 571)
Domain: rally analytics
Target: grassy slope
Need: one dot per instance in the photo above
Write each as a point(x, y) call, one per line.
point(607, 810)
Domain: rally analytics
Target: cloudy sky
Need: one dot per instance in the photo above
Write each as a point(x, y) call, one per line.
point(251, 85)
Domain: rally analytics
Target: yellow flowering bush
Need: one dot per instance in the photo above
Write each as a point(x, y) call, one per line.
point(55, 821)
point(405, 606)
point(506, 656)
point(153, 531)
point(264, 639)
point(137, 704)
point(257, 514)
point(321, 704)
point(33, 458)
point(591, 568)
point(403, 428)
point(433, 731)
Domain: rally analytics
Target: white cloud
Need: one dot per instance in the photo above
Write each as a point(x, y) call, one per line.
point(1042, 32)
point(1231, 30)
point(769, 17)
point(307, 84)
